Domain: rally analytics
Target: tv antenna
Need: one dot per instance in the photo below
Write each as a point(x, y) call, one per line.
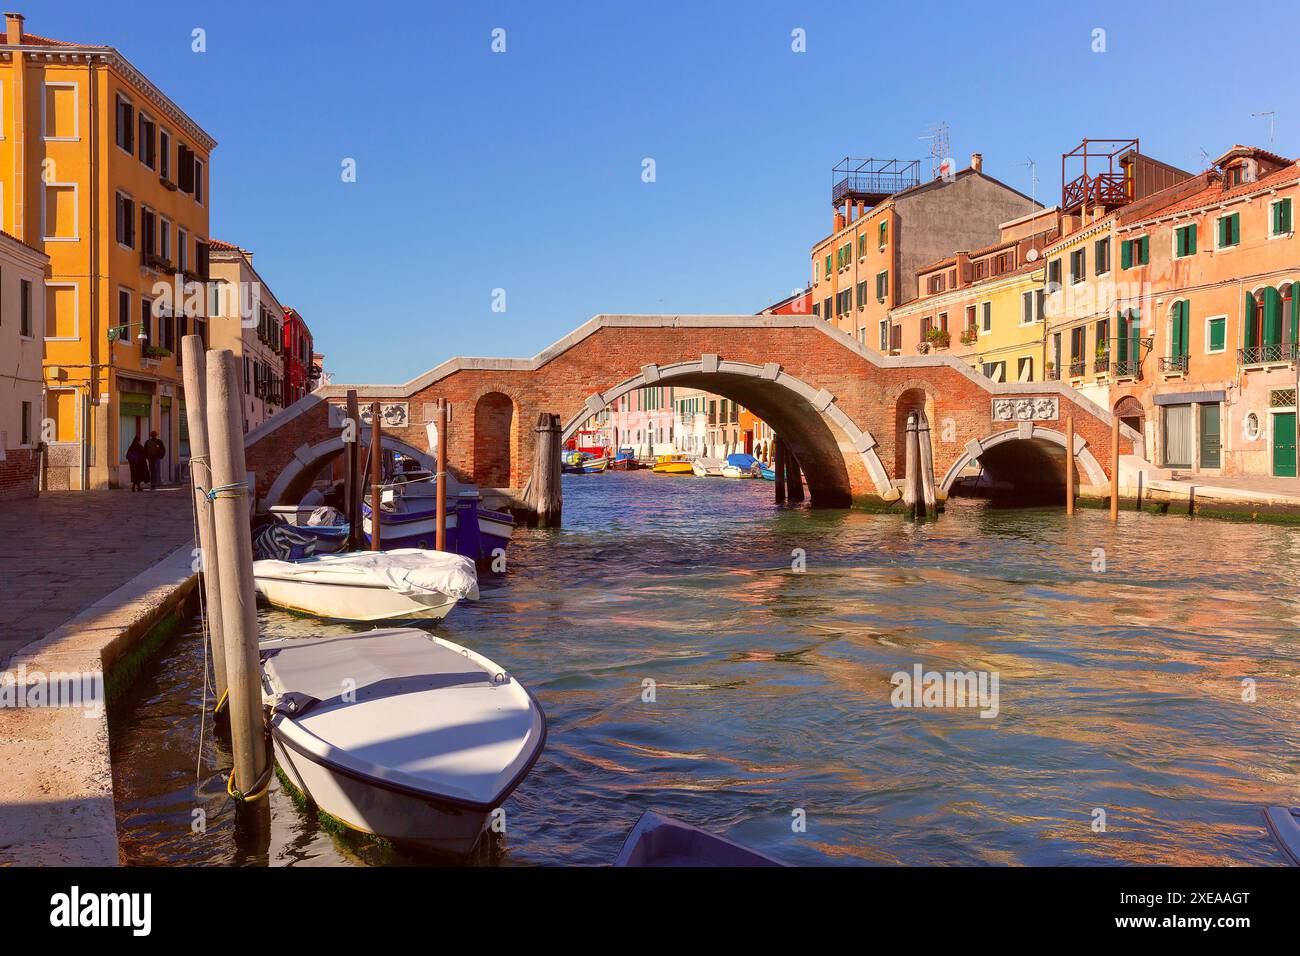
point(1270, 114)
point(1033, 178)
point(940, 151)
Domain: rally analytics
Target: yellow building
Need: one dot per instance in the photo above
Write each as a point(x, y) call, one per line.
point(109, 177)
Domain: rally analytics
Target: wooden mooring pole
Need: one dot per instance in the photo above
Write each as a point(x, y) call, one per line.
point(351, 472)
point(230, 496)
point(778, 468)
point(793, 479)
point(194, 371)
point(925, 460)
point(376, 473)
point(1069, 464)
point(441, 536)
point(1114, 467)
point(543, 497)
point(913, 497)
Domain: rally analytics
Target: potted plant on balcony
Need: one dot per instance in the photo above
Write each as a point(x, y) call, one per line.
point(939, 338)
point(156, 351)
point(1051, 370)
point(969, 336)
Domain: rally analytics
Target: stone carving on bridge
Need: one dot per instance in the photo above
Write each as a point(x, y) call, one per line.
point(394, 414)
point(1040, 409)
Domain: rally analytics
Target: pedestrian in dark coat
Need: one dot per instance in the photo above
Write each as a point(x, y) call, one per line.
point(139, 465)
point(154, 451)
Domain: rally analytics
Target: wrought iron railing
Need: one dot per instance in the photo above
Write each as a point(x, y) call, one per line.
point(1078, 367)
point(1053, 373)
point(1128, 368)
point(1173, 364)
point(1267, 354)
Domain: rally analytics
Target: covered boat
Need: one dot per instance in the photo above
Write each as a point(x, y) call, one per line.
point(399, 733)
point(369, 585)
point(409, 519)
point(739, 465)
point(659, 840)
point(707, 467)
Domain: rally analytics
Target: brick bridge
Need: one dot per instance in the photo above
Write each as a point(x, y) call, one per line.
point(840, 407)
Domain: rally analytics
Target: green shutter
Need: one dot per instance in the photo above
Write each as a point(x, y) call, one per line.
point(1144, 249)
point(1295, 313)
point(1217, 334)
point(1272, 317)
point(1223, 231)
point(1126, 254)
point(1191, 239)
point(1250, 321)
point(1176, 348)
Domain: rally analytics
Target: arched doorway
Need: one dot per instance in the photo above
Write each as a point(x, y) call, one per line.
point(494, 420)
point(1130, 412)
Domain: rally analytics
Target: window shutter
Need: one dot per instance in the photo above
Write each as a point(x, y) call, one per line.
point(1126, 254)
point(1272, 317)
point(1284, 215)
point(1217, 335)
point(1191, 239)
point(1176, 330)
point(1144, 249)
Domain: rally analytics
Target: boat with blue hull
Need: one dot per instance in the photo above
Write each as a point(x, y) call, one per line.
point(409, 519)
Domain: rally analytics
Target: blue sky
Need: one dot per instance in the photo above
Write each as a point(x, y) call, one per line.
point(522, 171)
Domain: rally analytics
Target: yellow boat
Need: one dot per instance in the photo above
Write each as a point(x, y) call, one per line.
point(672, 465)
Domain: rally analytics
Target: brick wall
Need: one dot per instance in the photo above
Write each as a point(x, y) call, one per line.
point(959, 408)
point(18, 474)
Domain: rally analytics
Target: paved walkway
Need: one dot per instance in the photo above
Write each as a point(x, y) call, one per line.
point(63, 551)
point(1260, 484)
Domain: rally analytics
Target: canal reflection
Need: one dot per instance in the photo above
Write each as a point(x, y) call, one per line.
point(1120, 690)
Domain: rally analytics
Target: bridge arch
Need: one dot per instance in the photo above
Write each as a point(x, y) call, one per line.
point(1029, 450)
point(297, 476)
point(814, 427)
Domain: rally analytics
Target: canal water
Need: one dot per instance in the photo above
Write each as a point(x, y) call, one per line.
point(1147, 688)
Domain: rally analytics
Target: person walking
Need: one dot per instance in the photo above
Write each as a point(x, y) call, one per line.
point(139, 466)
point(154, 451)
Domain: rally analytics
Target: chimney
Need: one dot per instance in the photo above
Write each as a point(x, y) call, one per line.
point(977, 162)
point(13, 28)
point(839, 220)
point(963, 270)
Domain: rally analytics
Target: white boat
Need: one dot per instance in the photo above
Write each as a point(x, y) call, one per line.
point(399, 733)
point(659, 840)
point(707, 467)
point(1284, 824)
point(734, 471)
point(370, 585)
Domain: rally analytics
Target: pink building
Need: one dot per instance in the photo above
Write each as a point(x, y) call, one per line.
point(643, 420)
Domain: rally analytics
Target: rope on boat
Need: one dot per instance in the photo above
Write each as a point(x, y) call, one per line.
point(260, 788)
point(221, 704)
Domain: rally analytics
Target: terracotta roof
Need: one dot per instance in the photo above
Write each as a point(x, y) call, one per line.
point(225, 246)
point(31, 39)
point(1213, 192)
point(1238, 148)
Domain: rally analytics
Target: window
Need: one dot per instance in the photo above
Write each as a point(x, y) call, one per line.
point(182, 250)
point(882, 232)
point(884, 335)
point(862, 294)
point(826, 308)
point(943, 321)
point(125, 221)
point(927, 324)
point(185, 165)
point(164, 154)
point(146, 325)
point(25, 309)
point(124, 317)
point(1077, 266)
point(862, 246)
point(1134, 252)
point(1030, 309)
point(1003, 263)
point(148, 231)
point(1185, 241)
point(148, 143)
point(1216, 334)
point(935, 284)
point(828, 265)
point(1180, 436)
point(1280, 218)
point(996, 371)
point(61, 320)
point(1054, 275)
point(59, 213)
point(125, 125)
point(1229, 230)
point(1025, 370)
point(970, 319)
point(164, 239)
point(1180, 324)
point(1101, 256)
point(27, 423)
point(59, 112)
point(882, 285)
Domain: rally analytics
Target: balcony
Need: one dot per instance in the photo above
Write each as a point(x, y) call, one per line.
point(1101, 364)
point(1053, 373)
point(1174, 365)
point(1078, 368)
point(1280, 353)
point(1128, 368)
point(872, 180)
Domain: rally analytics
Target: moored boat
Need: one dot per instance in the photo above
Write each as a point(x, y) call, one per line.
point(625, 460)
point(369, 585)
point(707, 467)
point(1284, 824)
point(582, 463)
point(409, 519)
point(659, 840)
point(739, 465)
point(672, 465)
point(429, 740)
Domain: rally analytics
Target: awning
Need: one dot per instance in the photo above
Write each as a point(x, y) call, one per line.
point(134, 404)
point(1186, 398)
